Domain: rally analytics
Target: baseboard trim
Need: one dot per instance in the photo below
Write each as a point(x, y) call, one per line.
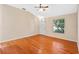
point(35, 35)
point(18, 38)
point(58, 38)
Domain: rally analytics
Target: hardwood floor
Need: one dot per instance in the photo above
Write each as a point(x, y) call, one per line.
point(39, 44)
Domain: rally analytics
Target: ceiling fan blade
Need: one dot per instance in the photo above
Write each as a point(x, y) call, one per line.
point(44, 6)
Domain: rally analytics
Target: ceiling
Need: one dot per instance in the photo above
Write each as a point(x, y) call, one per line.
point(53, 10)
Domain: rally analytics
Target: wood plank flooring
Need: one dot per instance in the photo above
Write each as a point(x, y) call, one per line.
point(39, 44)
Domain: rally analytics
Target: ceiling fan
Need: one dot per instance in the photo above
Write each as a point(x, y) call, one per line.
point(42, 7)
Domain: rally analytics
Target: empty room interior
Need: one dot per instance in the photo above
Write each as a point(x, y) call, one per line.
point(39, 28)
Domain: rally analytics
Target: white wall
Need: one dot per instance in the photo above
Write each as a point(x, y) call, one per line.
point(78, 27)
point(17, 23)
point(0, 22)
point(41, 24)
point(70, 28)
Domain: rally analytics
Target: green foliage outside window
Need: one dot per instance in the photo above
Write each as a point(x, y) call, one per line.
point(58, 26)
